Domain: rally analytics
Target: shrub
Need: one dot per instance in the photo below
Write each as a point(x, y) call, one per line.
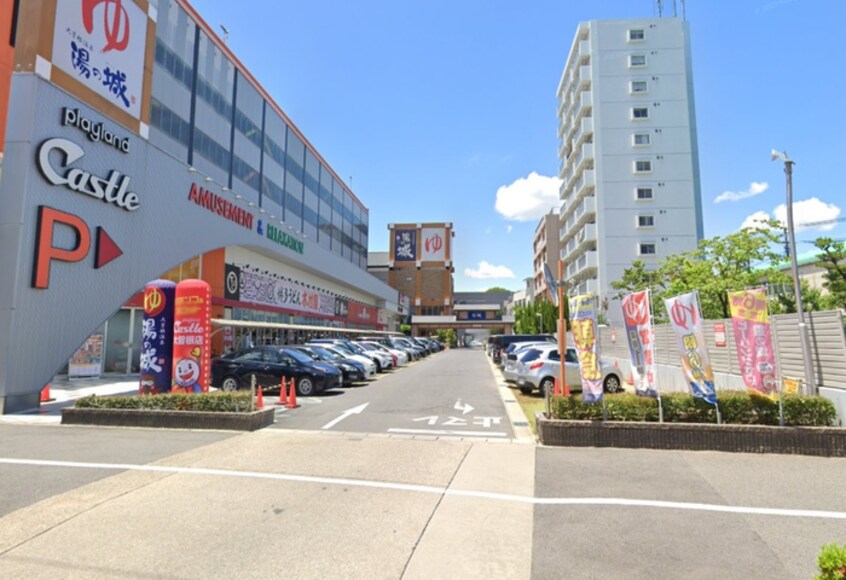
point(832, 562)
point(236, 402)
point(736, 407)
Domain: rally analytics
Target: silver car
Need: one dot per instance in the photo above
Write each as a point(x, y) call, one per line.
point(540, 366)
point(512, 355)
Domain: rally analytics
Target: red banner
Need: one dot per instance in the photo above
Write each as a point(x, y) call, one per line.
point(361, 314)
point(192, 337)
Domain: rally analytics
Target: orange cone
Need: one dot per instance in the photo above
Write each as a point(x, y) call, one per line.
point(557, 390)
point(45, 394)
point(260, 401)
point(283, 393)
point(292, 399)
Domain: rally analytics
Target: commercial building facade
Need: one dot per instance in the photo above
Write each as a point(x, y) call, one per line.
point(139, 147)
point(628, 152)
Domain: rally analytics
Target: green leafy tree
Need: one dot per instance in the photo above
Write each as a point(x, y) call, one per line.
point(833, 259)
point(497, 289)
point(537, 317)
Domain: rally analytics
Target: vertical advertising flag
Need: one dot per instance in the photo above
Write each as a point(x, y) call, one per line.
point(755, 352)
point(686, 318)
point(191, 337)
point(157, 337)
point(641, 338)
point(583, 325)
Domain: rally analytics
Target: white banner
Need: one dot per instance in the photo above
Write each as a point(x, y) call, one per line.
point(686, 318)
point(434, 245)
point(640, 337)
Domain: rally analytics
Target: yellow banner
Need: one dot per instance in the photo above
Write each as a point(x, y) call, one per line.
point(749, 305)
point(791, 386)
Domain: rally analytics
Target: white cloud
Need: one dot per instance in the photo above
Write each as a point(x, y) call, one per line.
point(804, 212)
point(755, 188)
point(755, 220)
point(508, 229)
point(528, 198)
point(486, 270)
point(809, 211)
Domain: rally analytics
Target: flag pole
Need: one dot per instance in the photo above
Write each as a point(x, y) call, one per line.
point(562, 330)
point(652, 328)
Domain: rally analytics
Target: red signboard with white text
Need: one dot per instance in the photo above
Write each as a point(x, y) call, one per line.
point(192, 337)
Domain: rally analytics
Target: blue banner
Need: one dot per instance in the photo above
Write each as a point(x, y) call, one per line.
point(157, 337)
point(405, 245)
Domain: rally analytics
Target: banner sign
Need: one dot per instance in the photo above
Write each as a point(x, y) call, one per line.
point(434, 245)
point(362, 314)
point(583, 325)
point(102, 45)
point(192, 337)
point(686, 319)
point(405, 245)
point(791, 386)
point(88, 360)
point(755, 352)
point(156, 362)
point(259, 288)
point(641, 338)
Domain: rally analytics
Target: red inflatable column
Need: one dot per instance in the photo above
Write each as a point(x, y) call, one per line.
point(192, 337)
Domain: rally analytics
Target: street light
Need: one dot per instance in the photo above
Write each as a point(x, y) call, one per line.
point(810, 382)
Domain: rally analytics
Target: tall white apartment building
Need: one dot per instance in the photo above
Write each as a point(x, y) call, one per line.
point(629, 158)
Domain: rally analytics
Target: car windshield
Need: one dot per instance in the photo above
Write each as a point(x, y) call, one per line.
point(297, 355)
point(325, 354)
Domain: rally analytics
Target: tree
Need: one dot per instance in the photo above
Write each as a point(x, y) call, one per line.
point(833, 259)
point(527, 321)
point(496, 289)
point(739, 260)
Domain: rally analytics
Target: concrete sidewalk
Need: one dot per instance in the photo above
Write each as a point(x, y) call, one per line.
point(63, 393)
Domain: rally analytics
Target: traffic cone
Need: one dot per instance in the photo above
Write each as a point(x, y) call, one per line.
point(45, 394)
point(292, 399)
point(557, 390)
point(283, 393)
point(260, 401)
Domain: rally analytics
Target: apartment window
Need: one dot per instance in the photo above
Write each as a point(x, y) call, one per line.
point(643, 193)
point(640, 112)
point(637, 60)
point(646, 221)
point(643, 166)
point(646, 249)
point(636, 34)
point(638, 87)
point(641, 139)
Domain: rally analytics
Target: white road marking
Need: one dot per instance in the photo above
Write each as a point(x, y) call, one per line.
point(344, 415)
point(463, 407)
point(563, 501)
point(445, 432)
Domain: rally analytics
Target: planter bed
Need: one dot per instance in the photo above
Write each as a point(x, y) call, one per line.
point(169, 419)
point(821, 441)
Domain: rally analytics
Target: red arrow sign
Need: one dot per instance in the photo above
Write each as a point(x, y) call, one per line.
point(107, 249)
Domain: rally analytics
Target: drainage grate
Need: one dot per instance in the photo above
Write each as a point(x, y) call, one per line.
point(521, 423)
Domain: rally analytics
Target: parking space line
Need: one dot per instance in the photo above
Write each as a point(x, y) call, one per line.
point(445, 432)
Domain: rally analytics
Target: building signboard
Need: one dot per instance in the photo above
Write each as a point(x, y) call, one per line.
point(405, 245)
point(434, 245)
point(102, 44)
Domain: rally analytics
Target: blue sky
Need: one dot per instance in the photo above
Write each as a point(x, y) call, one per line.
point(430, 107)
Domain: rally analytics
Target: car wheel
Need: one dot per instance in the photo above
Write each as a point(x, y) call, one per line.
point(305, 387)
point(547, 386)
point(612, 384)
point(526, 390)
point(378, 365)
point(229, 384)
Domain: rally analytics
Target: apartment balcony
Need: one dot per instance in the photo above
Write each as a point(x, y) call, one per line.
point(584, 266)
point(584, 49)
point(585, 286)
point(577, 215)
point(584, 77)
point(584, 104)
point(585, 183)
point(576, 241)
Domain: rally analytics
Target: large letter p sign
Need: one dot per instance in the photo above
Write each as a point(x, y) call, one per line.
point(45, 251)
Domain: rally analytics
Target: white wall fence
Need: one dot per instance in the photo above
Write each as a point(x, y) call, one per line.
point(828, 353)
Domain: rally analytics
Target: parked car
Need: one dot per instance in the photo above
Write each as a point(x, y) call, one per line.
point(269, 364)
point(382, 362)
point(512, 355)
point(367, 362)
point(414, 351)
point(399, 357)
point(351, 371)
point(501, 341)
point(540, 366)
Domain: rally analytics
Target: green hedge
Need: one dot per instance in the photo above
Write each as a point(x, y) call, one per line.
point(219, 402)
point(736, 407)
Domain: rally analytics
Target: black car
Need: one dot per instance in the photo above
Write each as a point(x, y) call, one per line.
point(269, 364)
point(351, 371)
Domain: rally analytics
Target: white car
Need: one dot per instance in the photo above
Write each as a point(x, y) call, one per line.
point(540, 366)
point(401, 357)
point(385, 359)
point(369, 365)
